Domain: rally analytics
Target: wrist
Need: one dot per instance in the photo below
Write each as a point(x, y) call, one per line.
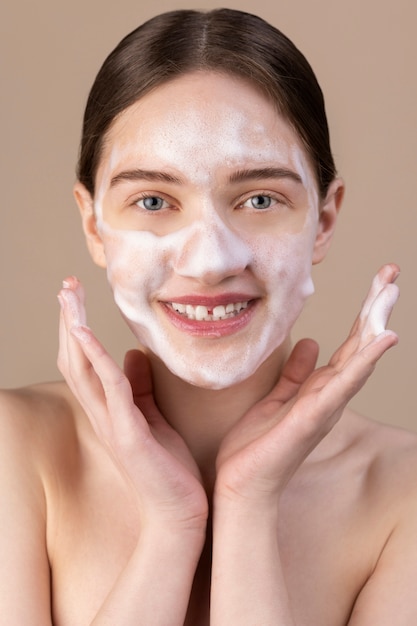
point(176, 521)
point(173, 532)
point(171, 544)
point(243, 512)
point(250, 500)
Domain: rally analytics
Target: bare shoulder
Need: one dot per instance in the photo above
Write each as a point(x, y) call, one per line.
point(388, 459)
point(391, 454)
point(31, 417)
point(38, 432)
point(22, 401)
point(372, 468)
point(35, 422)
point(389, 490)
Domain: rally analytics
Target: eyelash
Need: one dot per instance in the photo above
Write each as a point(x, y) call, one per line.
point(144, 196)
point(275, 199)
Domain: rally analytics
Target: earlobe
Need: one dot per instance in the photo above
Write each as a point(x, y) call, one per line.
point(94, 242)
point(329, 212)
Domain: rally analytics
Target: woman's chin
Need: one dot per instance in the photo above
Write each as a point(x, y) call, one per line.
point(206, 365)
point(209, 383)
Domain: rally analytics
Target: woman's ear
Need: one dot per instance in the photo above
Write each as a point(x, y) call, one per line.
point(329, 210)
point(94, 242)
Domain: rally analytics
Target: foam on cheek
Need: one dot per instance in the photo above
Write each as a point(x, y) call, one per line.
point(296, 250)
point(135, 260)
point(287, 259)
point(286, 266)
point(139, 266)
point(140, 262)
point(136, 268)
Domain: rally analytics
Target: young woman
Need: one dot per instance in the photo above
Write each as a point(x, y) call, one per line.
point(220, 479)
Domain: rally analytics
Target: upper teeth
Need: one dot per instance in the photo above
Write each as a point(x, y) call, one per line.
point(203, 313)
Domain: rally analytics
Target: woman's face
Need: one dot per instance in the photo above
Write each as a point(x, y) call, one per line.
point(207, 212)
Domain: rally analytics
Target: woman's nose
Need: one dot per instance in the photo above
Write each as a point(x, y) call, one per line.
point(211, 251)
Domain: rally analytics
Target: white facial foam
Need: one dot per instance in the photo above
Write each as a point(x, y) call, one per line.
point(204, 138)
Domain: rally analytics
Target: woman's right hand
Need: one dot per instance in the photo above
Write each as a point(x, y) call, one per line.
point(121, 409)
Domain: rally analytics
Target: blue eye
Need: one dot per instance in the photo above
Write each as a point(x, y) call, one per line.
point(151, 203)
point(259, 201)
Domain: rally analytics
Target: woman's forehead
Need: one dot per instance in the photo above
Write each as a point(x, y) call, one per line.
point(201, 122)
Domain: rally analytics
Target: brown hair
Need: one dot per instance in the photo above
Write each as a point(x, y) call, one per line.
point(226, 40)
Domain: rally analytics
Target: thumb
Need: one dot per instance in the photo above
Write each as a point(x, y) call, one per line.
point(297, 369)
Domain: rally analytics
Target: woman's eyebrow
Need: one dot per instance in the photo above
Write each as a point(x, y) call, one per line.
point(149, 175)
point(264, 172)
point(239, 176)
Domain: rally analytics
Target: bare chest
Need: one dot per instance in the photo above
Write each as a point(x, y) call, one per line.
point(328, 548)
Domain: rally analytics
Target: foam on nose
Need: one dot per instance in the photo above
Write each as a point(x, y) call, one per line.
point(211, 247)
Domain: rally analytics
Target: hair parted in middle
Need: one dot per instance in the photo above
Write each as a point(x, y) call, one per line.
point(224, 40)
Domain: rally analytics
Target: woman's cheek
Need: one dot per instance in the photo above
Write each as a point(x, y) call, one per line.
point(284, 263)
point(135, 270)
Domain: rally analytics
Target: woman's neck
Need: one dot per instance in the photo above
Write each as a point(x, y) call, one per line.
point(204, 416)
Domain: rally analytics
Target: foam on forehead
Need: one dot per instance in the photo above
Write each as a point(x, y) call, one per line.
point(198, 141)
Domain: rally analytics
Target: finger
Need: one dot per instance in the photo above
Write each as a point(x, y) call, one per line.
point(62, 360)
point(324, 396)
point(386, 275)
point(380, 311)
point(297, 369)
point(348, 380)
point(340, 388)
point(138, 372)
point(72, 314)
point(68, 316)
point(374, 314)
point(76, 301)
point(76, 367)
point(124, 416)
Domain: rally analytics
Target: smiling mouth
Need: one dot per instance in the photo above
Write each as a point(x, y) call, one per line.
point(202, 313)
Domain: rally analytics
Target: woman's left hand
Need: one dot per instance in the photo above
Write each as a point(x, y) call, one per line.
point(261, 453)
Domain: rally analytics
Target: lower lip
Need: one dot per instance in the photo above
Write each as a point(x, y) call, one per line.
point(218, 329)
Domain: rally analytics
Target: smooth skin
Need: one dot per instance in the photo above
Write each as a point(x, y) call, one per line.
point(131, 497)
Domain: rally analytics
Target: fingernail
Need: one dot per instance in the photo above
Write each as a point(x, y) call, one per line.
point(70, 282)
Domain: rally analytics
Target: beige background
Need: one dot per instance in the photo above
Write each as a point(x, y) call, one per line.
point(364, 53)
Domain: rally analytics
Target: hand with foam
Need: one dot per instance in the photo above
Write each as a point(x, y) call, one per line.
point(264, 449)
point(153, 460)
point(122, 411)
